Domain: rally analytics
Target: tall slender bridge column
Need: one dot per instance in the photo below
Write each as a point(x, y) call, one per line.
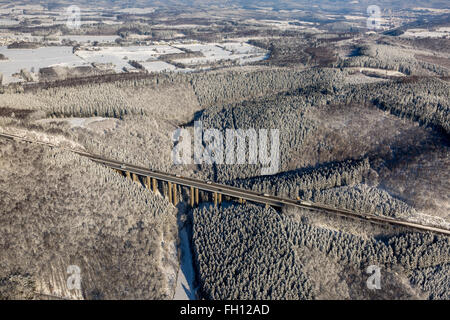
point(175, 198)
point(170, 191)
point(147, 182)
point(192, 198)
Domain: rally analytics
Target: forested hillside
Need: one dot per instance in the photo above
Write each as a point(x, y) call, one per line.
point(323, 118)
point(255, 253)
point(59, 209)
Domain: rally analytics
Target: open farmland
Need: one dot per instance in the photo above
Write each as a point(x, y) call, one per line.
point(241, 52)
point(150, 58)
point(34, 59)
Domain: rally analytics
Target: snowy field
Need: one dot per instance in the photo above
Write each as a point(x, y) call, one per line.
point(87, 39)
point(119, 57)
point(158, 66)
point(8, 22)
point(75, 122)
point(213, 52)
point(35, 58)
point(424, 33)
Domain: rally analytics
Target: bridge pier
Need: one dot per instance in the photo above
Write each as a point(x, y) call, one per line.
point(175, 198)
point(170, 191)
point(174, 194)
point(192, 198)
point(215, 199)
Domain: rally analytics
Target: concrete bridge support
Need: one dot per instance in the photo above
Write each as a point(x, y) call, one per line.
point(175, 197)
point(174, 193)
point(147, 182)
point(170, 191)
point(192, 197)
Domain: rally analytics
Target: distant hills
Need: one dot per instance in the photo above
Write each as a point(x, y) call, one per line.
point(318, 5)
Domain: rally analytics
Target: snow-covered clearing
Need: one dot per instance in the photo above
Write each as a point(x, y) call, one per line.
point(148, 56)
point(35, 58)
point(212, 52)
